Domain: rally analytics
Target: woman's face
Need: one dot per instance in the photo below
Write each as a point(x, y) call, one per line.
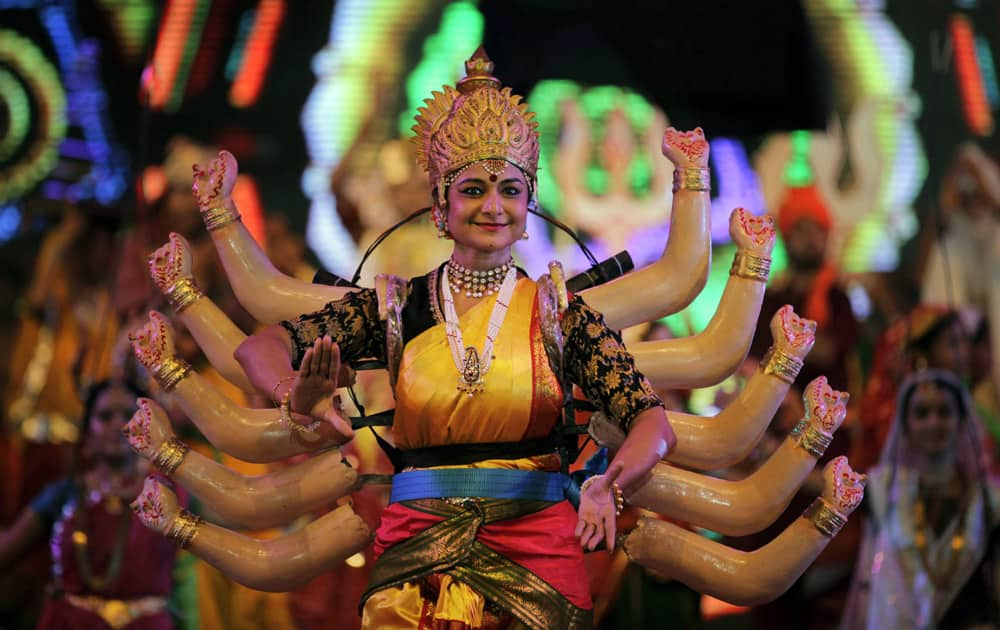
point(112, 410)
point(932, 418)
point(486, 215)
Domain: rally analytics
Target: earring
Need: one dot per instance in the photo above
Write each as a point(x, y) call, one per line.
point(524, 236)
point(440, 222)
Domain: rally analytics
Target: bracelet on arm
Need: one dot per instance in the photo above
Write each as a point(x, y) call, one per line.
point(616, 493)
point(274, 390)
point(169, 456)
point(219, 217)
point(811, 439)
point(750, 266)
point(693, 178)
point(171, 372)
point(184, 528)
point(827, 520)
point(286, 418)
point(784, 366)
point(183, 294)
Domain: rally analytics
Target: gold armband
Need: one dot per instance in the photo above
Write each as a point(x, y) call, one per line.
point(171, 372)
point(169, 456)
point(694, 178)
point(183, 294)
point(750, 266)
point(184, 528)
point(827, 520)
point(220, 217)
point(782, 365)
point(814, 441)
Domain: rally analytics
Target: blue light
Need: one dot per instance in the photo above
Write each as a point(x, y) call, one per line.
point(10, 220)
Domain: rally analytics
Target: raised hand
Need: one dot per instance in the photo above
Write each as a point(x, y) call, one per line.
point(598, 509)
point(214, 187)
point(153, 343)
point(156, 506)
point(686, 148)
point(752, 233)
point(792, 334)
point(170, 262)
point(843, 488)
point(825, 407)
point(312, 391)
point(148, 429)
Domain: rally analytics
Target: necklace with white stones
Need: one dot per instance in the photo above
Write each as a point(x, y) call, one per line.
point(475, 282)
point(472, 366)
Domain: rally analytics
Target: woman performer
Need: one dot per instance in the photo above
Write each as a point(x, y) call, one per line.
point(487, 444)
point(108, 570)
point(927, 555)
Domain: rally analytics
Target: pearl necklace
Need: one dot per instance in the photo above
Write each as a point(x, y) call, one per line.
point(478, 283)
point(472, 366)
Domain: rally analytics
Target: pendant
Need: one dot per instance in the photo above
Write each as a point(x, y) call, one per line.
point(471, 381)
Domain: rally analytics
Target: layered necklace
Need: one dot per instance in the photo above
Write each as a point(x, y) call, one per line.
point(472, 365)
point(475, 282)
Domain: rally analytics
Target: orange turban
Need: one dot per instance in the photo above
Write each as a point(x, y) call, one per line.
point(803, 202)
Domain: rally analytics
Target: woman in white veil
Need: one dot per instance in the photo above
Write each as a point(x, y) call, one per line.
point(926, 559)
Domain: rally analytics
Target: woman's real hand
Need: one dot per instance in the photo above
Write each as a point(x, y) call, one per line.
point(312, 391)
point(598, 510)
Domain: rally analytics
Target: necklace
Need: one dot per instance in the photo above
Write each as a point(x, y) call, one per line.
point(475, 282)
point(472, 366)
point(922, 530)
point(81, 540)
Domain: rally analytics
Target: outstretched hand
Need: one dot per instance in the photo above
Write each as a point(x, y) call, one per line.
point(312, 392)
point(213, 186)
point(598, 510)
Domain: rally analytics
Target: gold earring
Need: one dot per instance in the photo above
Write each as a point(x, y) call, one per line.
point(524, 236)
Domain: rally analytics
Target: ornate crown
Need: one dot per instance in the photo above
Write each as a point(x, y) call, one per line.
point(476, 120)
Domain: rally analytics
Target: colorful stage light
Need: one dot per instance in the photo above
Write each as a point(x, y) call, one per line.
point(975, 105)
point(257, 53)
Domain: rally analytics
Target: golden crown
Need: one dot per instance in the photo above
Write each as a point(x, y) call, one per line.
point(476, 120)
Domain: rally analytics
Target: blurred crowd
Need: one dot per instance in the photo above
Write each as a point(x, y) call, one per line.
point(914, 349)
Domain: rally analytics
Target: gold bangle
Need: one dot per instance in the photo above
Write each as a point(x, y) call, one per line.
point(169, 456)
point(184, 528)
point(286, 418)
point(183, 294)
point(750, 266)
point(274, 390)
point(814, 441)
point(826, 519)
point(219, 217)
point(781, 365)
point(171, 372)
point(616, 491)
point(694, 178)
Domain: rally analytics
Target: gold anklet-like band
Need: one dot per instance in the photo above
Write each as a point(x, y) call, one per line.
point(171, 372)
point(220, 217)
point(750, 266)
point(169, 456)
point(183, 294)
point(184, 528)
point(827, 520)
point(782, 365)
point(692, 178)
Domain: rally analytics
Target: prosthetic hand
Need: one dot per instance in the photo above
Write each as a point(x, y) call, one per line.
point(672, 282)
point(739, 508)
point(260, 502)
point(713, 354)
point(253, 435)
point(266, 293)
point(277, 564)
point(714, 442)
point(755, 577)
point(216, 334)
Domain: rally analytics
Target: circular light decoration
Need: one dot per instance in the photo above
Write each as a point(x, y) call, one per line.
point(27, 73)
point(15, 100)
